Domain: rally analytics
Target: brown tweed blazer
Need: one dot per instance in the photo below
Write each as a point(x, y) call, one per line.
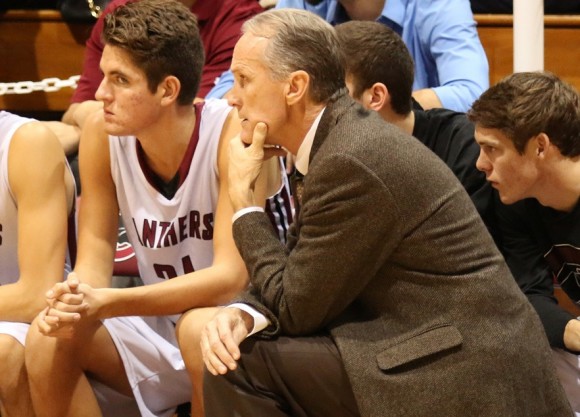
point(390, 256)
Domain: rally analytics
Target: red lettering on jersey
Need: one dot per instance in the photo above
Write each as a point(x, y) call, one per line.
point(182, 223)
point(165, 271)
point(149, 231)
point(208, 223)
point(163, 234)
point(169, 271)
point(170, 236)
point(194, 224)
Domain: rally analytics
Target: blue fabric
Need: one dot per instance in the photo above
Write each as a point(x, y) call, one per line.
point(225, 83)
point(442, 38)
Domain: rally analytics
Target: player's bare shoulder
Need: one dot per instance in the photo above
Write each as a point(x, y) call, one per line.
point(34, 148)
point(232, 126)
point(35, 137)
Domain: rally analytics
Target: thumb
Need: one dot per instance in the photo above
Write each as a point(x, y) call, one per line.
point(259, 137)
point(72, 280)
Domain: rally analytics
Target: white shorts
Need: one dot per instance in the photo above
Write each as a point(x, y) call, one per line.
point(16, 330)
point(568, 368)
point(153, 363)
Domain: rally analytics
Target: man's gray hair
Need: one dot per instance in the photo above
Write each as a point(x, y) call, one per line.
point(300, 40)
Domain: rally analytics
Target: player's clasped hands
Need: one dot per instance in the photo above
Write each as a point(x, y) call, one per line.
point(66, 304)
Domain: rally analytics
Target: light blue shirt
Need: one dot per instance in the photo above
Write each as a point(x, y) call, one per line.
point(222, 86)
point(441, 36)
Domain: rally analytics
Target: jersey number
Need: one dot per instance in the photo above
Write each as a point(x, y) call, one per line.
point(168, 271)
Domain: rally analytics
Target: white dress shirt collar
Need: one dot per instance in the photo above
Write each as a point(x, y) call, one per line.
point(303, 155)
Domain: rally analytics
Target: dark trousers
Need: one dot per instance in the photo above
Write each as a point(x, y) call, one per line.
point(302, 377)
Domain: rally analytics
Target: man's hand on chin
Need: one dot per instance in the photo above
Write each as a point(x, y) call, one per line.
point(244, 167)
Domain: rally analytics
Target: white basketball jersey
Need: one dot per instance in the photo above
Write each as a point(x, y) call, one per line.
point(174, 236)
point(9, 271)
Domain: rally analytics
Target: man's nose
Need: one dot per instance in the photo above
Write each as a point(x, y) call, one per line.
point(482, 163)
point(102, 92)
point(233, 100)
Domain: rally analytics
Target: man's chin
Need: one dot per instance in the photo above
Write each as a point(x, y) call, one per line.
point(113, 130)
point(246, 137)
point(506, 198)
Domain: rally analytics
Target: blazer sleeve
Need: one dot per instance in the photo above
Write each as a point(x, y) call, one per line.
point(340, 247)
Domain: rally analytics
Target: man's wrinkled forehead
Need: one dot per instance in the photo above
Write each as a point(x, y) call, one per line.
point(249, 52)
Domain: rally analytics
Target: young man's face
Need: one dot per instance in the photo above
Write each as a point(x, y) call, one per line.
point(128, 105)
point(512, 174)
point(256, 96)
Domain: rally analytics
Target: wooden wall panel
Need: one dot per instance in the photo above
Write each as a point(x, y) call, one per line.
point(37, 44)
point(34, 45)
point(561, 46)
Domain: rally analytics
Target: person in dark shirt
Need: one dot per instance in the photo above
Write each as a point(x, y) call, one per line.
point(528, 128)
point(388, 89)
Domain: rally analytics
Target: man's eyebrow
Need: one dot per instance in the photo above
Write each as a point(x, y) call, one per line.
point(115, 72)
point(486, 141)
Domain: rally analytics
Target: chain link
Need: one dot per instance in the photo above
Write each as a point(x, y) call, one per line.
point(95, 9)
point(47, 85)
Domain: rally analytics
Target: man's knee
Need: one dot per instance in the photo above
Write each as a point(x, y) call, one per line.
point(36, 349)
point(42, 352)
point(189, 329)
point(12, 367)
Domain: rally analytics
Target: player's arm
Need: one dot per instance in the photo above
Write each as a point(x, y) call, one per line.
point(68, 131)
point(36, 172)
point(98, 210)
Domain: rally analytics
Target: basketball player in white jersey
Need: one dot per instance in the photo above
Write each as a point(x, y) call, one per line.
point(163, 163)
point(36, 197)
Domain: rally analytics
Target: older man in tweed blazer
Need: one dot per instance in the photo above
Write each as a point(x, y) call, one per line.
point(390, 289)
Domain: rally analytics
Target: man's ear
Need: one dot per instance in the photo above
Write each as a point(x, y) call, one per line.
point(376, 97)
point(169, 89)
point(297, 86)
point(542, 145)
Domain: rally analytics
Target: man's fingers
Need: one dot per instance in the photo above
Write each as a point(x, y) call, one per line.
point(220, 356)
point(62, 317)
point(58, 290)
point(67, 307)
point(220, 343)
point(74, 300)
point(213, 350)
point(228, 332)
point(50, 325)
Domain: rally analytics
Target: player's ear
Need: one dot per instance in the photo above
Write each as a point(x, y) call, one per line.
point(169, 89)
point(542, 142)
